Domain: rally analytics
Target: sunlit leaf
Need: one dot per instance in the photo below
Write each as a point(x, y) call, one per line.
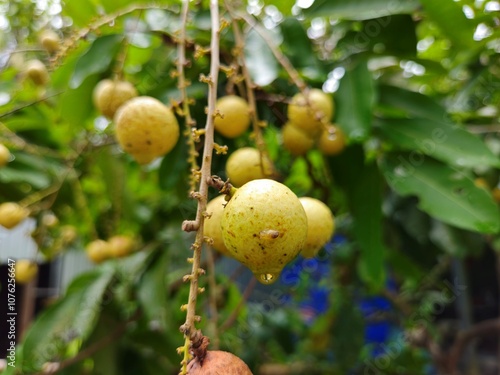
point(96, 59)
point(444, 193)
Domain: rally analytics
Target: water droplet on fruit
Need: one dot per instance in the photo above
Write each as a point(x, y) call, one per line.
point(267, 278)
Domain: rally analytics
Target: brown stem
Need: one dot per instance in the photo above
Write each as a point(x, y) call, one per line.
point(182, 83)
point(484, 328)
point(193, 336)
point(246, 294)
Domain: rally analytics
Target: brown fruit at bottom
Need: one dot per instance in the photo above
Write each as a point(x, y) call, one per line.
point(218, 362)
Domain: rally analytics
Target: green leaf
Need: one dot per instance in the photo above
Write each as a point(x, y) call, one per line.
point(96, 59)
point(355, 98)
point(75, 315)
point(80, 11)
point(362, 185)
point(152, 290)
point(449, 17)
point(412, 103)
point(441, 140)
point(174, 166)
point(284, 6)
point(391, 35)
point(444, 192)
point(360, 9)
point(259, 59)
point(36, 179)
point(76, 106)
point(366, 207)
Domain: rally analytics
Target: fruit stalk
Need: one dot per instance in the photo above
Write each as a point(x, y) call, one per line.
point(193, 337)
point(256, 123)
point(182, 83)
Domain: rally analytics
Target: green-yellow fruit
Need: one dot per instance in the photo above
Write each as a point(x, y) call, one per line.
point(49, 40)
point(310, 115)
point(264, 226)
point(296, 140)
point(236, 116)
point(4, 155)
point(37, 72)
point(332, 141)
point(98, 251)
point(11, 214)
point(320, 226)
point(121, 245)
point(212, 228)
point(146, 128)
point(218, 362)
point(25, 271)
point(245, 165)
point(109, 95)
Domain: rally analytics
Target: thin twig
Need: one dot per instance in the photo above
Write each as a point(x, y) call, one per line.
point(182, 84)
point(188, 328)
point(246, 294)
point(265, 161)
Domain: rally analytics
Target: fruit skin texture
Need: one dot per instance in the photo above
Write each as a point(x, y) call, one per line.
point(4, 155)
point(98, 251)
point(212, 227)
point(320, 226)
point(218, 362)
point(146, 128)
point(11, 214)
point(25, 271)
point(264, 226)
point(121, 245)
point(244, 165)
point(295, 139)
point(311, 118)
point(49, 40)
point(236, 116)
point(109, 95)
point(332, 141)
point(37, 72)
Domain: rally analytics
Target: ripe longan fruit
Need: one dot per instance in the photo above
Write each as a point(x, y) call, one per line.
point(25, 271)
point(332, 141)
point(296, 140)
point(320, 226)
point(310, 115)
point(98, 251)
point(264, 226)
point(4, 155)
point(146, 128)
point(236, 116)
point(212, 227)
point(49, 40)
point(121, 245)
point(109, 95)
point(36, 71)
point(11, 214)
point(245, 165)
point(218, 362)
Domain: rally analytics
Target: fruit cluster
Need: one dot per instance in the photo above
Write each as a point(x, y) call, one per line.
point(265, 226)
point(118, 246)
point(309, 117)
